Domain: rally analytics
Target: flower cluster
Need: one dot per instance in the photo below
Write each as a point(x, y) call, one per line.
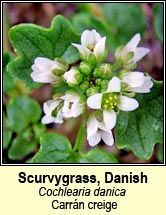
point(98, 88)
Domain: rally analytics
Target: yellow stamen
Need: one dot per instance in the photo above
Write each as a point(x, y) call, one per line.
point(91, 48)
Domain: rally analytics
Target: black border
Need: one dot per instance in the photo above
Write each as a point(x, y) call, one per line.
point(77, 164)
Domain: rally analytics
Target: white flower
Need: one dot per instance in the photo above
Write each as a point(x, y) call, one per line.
point(69, 105)
point(44, 69)
point(101, 130)
point(108, 102)
point(73, 105)
point(112, 99)
point(91, 42)
point(131, 46)
point(137, 82)
point(73, 77)
point(50, 116)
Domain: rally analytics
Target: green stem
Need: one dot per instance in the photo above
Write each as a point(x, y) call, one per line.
point(116, 65)
point(81, 136)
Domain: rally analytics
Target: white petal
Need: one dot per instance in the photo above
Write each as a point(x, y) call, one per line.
point(36, 69)
point(109, 118)
point(77, 109)
point(140, 53)
point(94, 101)
point(132, 44)
point(87, 38)
point(67, 112)
point(133, 79)
point(70, 76)
point(114, 85)
point(108, 138)
point(145, 88)
point(127, 104)
point(59, 118)
point(47, 119)
point(82, 49)
point(100, 48)
point(70, 97)
point(95, 139)
point(42, 77)
point(92, 126)
point(50, 119)
point(50, 105)
point(96, 36)
point(44, 63)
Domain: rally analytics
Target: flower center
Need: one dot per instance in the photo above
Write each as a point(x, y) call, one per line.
point(91, 48)
point(110, 101)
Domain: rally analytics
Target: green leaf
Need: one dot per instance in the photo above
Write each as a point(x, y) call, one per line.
point(38, 130)
point(160, 153)
point(21, 111)
point(141, 129)
point(98, 155)
point(81, 136)
point(21, 147)
point(30, 41)
point(84, 21)
point(54, 148)
point(125, 20)
point(60, 88)
point(7, 134)
point(9, 82)
point(158, 20)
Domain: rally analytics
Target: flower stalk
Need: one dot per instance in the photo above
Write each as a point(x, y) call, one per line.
point(81, 136)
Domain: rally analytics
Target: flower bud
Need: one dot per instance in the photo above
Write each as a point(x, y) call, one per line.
point(96, 73)
point(104, 83)
point(103, 71)
point(98, 81)
point(84, 85)
point(73, 77)
point(92, 90)
point(85, 68)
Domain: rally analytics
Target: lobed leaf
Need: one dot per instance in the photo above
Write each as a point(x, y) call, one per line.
point(30, 41)
point(141, 129)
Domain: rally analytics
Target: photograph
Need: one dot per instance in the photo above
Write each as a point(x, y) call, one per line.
point(83, 83)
